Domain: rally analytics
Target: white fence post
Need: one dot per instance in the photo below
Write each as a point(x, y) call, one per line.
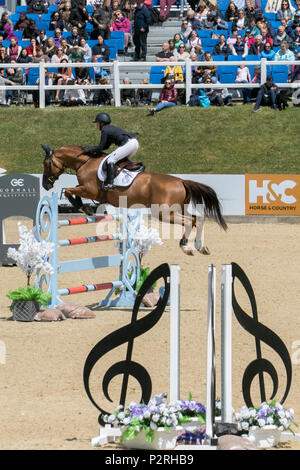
point(117, 83)
point(42, 84)
point(211, 355)
point(188, 80)
point(174, 333)
point(263, 70)
point(226, 342)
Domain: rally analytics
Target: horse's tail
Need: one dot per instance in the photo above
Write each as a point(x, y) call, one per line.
point(203, 194)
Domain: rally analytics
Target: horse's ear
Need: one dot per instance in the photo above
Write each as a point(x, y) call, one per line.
point(47, 150)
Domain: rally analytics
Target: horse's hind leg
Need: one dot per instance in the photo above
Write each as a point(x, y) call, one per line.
point(199, 239)
point(74, 196)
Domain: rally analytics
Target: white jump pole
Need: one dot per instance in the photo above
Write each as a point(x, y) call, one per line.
point(226, 343)
point(210, 355)
point(174, 333)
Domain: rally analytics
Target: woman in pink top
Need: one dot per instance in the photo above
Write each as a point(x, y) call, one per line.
point(122, 23)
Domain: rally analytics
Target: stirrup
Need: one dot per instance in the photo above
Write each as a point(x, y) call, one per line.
point(108, 187)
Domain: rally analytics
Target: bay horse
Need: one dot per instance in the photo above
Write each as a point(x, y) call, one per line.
point(167, 196)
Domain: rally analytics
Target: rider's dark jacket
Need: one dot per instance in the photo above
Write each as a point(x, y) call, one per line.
point(112, 135)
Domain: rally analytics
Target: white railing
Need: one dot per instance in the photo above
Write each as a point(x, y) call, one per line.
point(116, 66)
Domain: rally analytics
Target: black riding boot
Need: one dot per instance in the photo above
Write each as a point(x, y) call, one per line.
point(108, 184)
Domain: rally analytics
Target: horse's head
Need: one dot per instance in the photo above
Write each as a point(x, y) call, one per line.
point(52, 169)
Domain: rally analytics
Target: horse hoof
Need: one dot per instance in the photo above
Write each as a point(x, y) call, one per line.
point(204, 251)
point(87, 210)
point(187, 251)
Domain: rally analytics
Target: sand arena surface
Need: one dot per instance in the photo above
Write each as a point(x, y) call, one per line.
point(42, 398)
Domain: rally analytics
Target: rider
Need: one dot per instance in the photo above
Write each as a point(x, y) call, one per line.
point(126, 142)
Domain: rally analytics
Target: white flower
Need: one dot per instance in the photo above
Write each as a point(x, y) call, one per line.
point(111, 418)
point(281, 413)
point(126, 421)
point(147, 414)
point(253, 413)
point(155, 418)
point(245, 413)
point(261, 422)
point(153, 426)
point(270, 420)
point(284, 423)
point(244, 425)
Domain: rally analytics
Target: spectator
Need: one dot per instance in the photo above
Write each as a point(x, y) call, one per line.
point(31, 30)
point(208, 70)
point(3, 82)
point(239, 47)
point(257, 46)
point(76, 54)
point(232, 12)
point(49, 49)
point(218, 97)
point(22, 22)
point(212, 21)
point(172, 47)
point(252, 8)
point(63, 75)
point(127, 94)
point(174, 72)
point(285, 11)
point(296, 40)
point(32, 49)
point(167, 99)
point(295, 74)
point(13, 50)
point(121, 23)
point(78, 18)
point(103, 96)
point(253, 28)
point(5, 20)
point(232, 39)
point(15, 75)
point(82, 76)
point(36, 6)
point(40, 56)
point(59, 55)
point(221, 48)
point(24, 57)
point(202, 9)
point(56, 22)
point(240, 22)
point(74, 38)
point(73, 97)
point(185, 30)
point(42, 38)
point(267, 53)
point(192, 20)
point(193, 42)
point(177, 41)
point(266, 36)
point(243, 76)
point(284, 53)
point(282, 36)
point(142, 20)
point(101, 19)
point(4, 57)
point(65, 13)
point(165, 7)
point(100, 50)
point(144, 95)
point(181, 55)
point(57, 36)
point(65, 46)
point(8, 33)
point(165, 53)
point(267, 94)
point(85, 49)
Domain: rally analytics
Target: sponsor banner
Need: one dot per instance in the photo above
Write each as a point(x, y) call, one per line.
point(272, 195)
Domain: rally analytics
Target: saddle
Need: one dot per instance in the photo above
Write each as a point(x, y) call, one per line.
point(126, 164)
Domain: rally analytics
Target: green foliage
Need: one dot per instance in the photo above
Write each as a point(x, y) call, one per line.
point(30, 293)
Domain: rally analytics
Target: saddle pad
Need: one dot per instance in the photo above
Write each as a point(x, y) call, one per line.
point(124, 178)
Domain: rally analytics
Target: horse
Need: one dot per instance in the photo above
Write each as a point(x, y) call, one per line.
point(167, 196)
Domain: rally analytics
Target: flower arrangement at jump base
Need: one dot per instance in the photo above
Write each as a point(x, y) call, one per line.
point(30, 256)
point(264, 424)
point(147, 425)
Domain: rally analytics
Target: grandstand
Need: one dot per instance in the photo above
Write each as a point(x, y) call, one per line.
point(158, 33)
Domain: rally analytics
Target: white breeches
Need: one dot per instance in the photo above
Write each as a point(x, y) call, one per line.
point(127, 150)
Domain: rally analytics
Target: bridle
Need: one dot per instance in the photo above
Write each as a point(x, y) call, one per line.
point(49, 161)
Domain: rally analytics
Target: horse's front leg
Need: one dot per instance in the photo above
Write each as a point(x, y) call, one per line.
point(74, 196)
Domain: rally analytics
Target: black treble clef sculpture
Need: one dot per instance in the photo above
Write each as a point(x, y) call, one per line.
point(261, 333)
point(127, 334)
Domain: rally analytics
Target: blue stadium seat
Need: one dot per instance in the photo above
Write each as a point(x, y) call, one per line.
point(52, 9)
point(21, 8)
point(5, 43)
point(113, 48)
point(220, 31)
point(34, 17)
point(50, 33)
point(32, 76)
point(204, 33)
point(227, 74)
point(119, 37)
point(241, 32)
point(19, 35)
point(218, 58)
point(14, 17)
point(270, 16)
point(279, 73)
point(156, 74)
point(25, 43)
point(250, 57)
point(234, 58)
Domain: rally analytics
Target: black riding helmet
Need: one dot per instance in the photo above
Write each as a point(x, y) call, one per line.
point(103, 117)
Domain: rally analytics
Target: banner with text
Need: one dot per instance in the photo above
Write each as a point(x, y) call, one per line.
point(272, 194)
